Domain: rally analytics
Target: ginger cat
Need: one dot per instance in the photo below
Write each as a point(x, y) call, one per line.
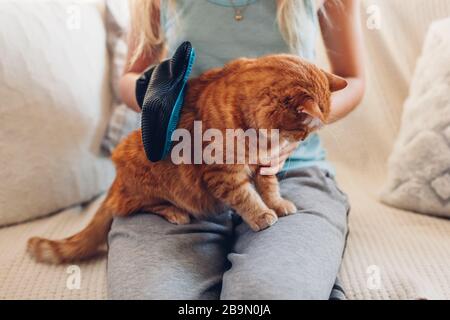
point(274, 92)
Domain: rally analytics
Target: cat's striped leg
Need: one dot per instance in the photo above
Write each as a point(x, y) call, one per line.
point(269, 189)
point(232, 186)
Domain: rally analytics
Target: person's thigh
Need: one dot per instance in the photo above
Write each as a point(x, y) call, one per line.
point(298, 257)
point(149, 258)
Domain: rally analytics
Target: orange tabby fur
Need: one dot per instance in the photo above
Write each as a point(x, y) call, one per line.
point(264, 93)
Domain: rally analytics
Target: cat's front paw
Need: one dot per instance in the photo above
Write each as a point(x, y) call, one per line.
point(283, 207)
point(263, 221)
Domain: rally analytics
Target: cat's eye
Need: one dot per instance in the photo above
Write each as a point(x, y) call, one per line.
point(287, 101)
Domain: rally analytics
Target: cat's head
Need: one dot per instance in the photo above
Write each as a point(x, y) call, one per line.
point(287, 93)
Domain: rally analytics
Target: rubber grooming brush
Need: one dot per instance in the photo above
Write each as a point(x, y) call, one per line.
point(160, 94)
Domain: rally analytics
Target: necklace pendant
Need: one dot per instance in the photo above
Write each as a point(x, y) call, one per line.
point(238, 16)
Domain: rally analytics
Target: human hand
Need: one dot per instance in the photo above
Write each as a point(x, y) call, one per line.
point(274, 164)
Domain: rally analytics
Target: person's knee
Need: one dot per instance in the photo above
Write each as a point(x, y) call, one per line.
point(248, 286)
point(135, 288)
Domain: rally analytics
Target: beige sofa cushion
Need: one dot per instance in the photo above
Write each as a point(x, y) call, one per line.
point(54, 107)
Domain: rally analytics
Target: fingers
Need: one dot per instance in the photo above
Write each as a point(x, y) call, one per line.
point(273, 170)
point(283, 152)
point(286, 152)
point(275, 163)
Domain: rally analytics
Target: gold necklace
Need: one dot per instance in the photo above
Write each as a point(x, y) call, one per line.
point(239, 10)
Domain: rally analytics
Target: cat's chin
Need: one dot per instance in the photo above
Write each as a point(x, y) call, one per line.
point(311, 126)
point(301, 136)
point(315, 124)
point(296, 136)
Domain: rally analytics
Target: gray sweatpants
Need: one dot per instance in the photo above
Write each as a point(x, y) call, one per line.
point(297, 258)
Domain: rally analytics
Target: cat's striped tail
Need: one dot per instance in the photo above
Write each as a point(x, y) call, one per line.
point(85, 244)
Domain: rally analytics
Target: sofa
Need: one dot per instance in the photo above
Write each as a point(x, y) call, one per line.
point(390, 254)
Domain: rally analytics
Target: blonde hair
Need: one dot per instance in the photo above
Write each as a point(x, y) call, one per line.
point(149, 36)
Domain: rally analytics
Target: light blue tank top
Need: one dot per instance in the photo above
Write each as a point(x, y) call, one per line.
point(218, 38)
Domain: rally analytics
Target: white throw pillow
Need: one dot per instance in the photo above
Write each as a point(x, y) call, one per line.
point(419, 166)
point(54, 106)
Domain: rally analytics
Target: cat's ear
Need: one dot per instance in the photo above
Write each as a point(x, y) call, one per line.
point(311, 107)
point(336, 83)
